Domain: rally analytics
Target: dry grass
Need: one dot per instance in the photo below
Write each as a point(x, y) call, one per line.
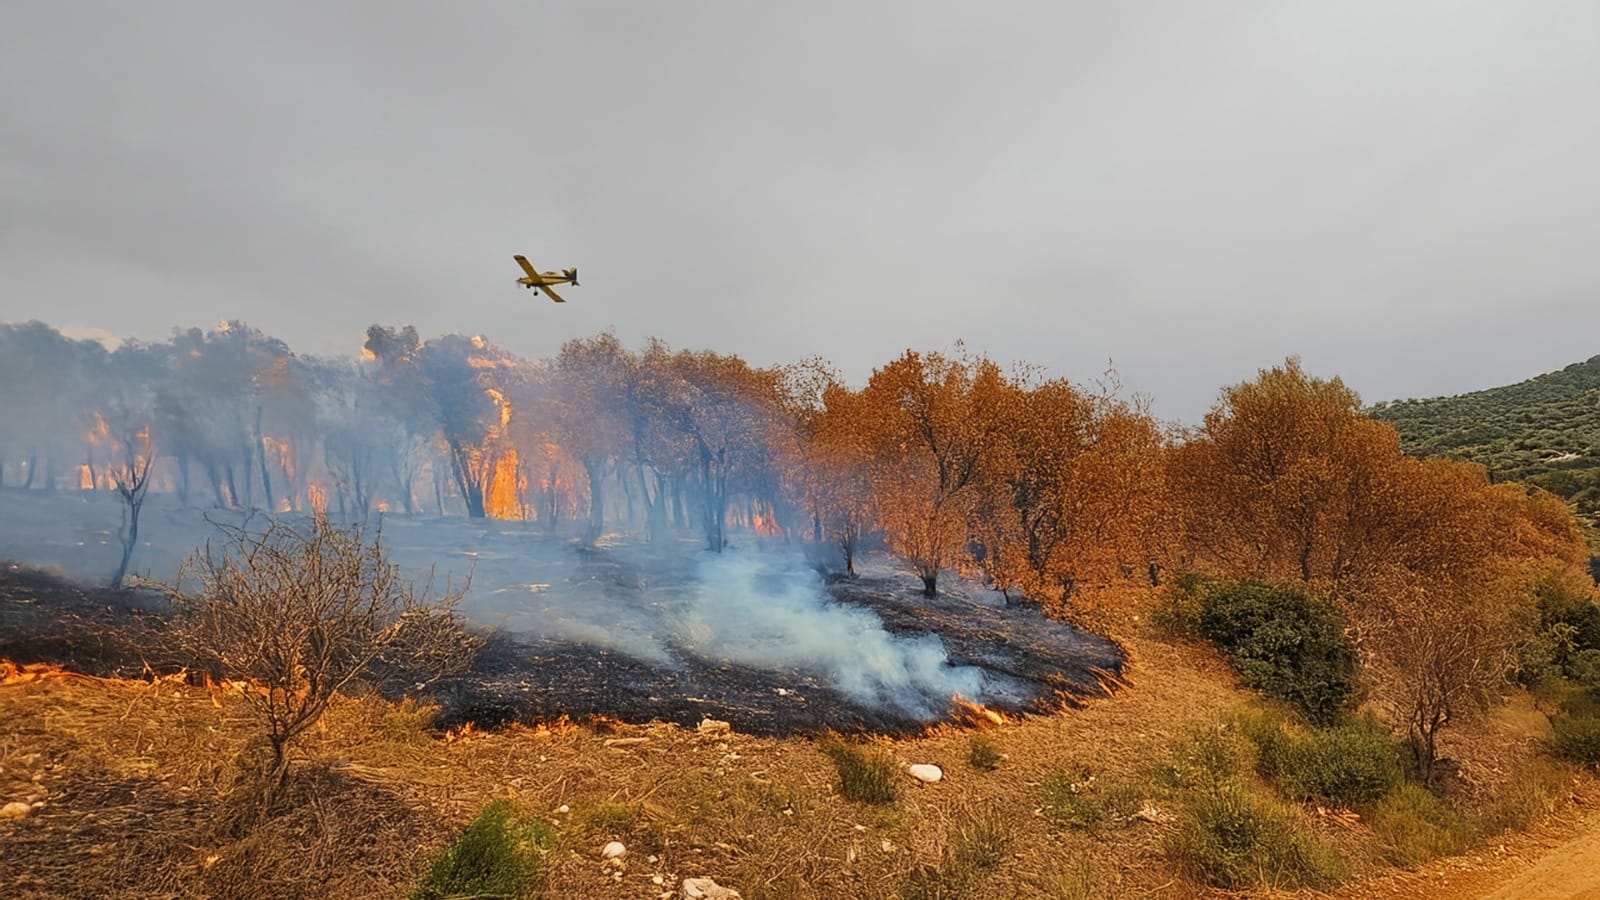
point(147, 793)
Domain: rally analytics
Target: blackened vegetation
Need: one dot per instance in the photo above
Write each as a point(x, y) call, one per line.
point(1037, 665)
point(94, 630)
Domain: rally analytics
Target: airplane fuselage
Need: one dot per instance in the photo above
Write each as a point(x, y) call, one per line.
point(544, 278)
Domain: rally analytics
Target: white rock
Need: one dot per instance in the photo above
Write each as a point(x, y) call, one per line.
point(925, 772)
point(710, 727)
point(707, 889)
point(15, 810)
point(613, 850)
point(563, 809)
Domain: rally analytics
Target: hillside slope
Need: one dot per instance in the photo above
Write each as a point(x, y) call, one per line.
point(1545, 431)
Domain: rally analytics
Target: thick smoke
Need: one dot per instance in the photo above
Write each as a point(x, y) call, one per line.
point(764, 608)
point(769, 610)
point(661, 604)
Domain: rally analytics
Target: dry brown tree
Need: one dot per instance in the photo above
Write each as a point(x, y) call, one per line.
point(300, 614)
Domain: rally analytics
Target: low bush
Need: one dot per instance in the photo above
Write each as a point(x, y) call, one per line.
point(1282, 641)
point(496, 856)
point(1577, 736)
point(1348, 763)
point(1411, 825)
point(609, 818)
point(982, 753)
point(1236, 836)
point(1178, 611)
point(865, 775)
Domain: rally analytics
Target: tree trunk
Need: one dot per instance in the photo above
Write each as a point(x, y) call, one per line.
point(596, 470)
point(266, 477)
point(471, 489)
point(183, 481)
point(130, 537)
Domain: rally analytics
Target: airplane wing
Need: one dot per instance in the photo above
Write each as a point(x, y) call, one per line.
point(553, 295)
point(526, 267)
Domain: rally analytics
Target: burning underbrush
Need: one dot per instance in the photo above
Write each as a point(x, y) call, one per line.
point(866, 655)
point(637, 633)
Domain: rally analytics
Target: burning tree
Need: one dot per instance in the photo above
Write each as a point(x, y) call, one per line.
point(300, 615)
point(467, 380)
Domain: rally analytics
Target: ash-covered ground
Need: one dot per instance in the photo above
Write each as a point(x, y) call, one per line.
point(629, 630)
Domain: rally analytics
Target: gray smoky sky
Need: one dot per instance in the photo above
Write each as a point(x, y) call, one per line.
point(1404, 194)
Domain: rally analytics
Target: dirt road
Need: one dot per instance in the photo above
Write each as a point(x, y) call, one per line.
point(1570, 872)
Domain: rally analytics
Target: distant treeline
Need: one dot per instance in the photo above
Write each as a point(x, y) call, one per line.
point(1545, 431)
point(1039, 486)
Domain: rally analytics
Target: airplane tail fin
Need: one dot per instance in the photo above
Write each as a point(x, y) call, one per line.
point(572, 274)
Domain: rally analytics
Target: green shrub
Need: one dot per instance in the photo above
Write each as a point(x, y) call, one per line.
point(1561, 604)
point(1577, 736)
point(865, 775)
point(1347, 764)
point(609, 818)
point(1563, 695)
point(1410, 826)
point(1234, 836)
point(1584, 668)
point(1179, 610)
point(1283, 643)
point(982, 753)
point(496, 856)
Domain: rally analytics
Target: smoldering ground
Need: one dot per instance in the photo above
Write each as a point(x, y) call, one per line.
point(639, 631)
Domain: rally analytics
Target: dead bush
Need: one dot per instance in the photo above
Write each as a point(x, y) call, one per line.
point(295, 616)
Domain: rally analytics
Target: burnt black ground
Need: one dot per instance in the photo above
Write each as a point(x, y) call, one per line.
point(1036, 664)
point(1032, 663)
point(45, 618)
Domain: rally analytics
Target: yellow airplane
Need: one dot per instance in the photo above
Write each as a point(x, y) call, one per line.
point(536, 280)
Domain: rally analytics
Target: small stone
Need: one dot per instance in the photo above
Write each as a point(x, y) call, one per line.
point(707, 889)
point(613, 850)
point(15, 810)
point(563, 809)
point(657, 879)
point(926, 773)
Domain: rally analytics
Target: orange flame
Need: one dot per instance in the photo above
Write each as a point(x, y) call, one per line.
point(502, 499)
point(464, 732)
point(13, 674)
point(976, 715)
